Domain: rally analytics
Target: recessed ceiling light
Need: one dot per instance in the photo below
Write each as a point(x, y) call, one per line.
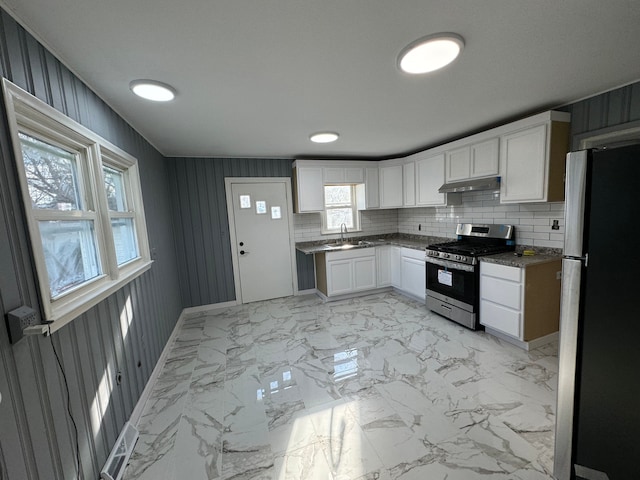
point(152, 90)
point(324, 137)
point(430, 53)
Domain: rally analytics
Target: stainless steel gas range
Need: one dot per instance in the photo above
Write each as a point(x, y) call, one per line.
point(453, 273)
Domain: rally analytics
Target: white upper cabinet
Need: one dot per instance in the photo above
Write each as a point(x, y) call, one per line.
point(391, 178)
point(532, 161)
point(368, 193)
point(430, 177)
point(308, 189)
point(472, 161)
point(484, 158)
point(458, 164)
point(409, 184)
point(337, 174)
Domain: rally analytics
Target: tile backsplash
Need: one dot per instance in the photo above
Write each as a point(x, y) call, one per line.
point(533, 221)
point(373, 222)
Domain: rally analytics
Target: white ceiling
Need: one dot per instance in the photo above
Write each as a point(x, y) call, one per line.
point(256, 77)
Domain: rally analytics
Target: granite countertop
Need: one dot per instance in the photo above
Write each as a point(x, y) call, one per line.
point(510, 259)
point(417, 242)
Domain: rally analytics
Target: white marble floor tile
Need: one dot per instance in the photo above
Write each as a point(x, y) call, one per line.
point(369, 388)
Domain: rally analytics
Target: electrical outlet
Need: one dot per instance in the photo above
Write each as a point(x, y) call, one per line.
point(559, 275)
point(18, 320)
point(419, 226)
point(556, 225)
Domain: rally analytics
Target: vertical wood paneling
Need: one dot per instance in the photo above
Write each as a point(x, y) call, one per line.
point(200, 209)
point(132, 325)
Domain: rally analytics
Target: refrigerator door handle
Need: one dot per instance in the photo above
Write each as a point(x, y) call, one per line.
point(568, 348)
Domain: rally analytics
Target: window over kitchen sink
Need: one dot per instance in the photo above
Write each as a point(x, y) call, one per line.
point(340, 207)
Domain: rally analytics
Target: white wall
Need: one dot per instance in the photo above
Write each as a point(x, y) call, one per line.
point(532, 220)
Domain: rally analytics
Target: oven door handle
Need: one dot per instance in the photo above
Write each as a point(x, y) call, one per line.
point(451, 265)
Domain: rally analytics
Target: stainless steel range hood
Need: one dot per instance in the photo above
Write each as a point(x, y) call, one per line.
point(473, 184)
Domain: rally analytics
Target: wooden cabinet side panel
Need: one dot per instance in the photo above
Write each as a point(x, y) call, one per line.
point(558, 149)
point(541, 300)
point(321, 272)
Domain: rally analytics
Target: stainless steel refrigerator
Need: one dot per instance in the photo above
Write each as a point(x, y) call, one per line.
point(598, 410)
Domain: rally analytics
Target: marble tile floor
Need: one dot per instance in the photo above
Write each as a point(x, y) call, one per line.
point(374, 387)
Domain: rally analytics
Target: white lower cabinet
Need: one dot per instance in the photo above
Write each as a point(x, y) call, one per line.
point(413, 272)
point(383, 265)
point(396, 275)
point(520, 302)
point(362, 269)
point(341, 273)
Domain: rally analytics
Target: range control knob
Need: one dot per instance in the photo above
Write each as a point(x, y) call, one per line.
point(445, 255)
point(463, 258)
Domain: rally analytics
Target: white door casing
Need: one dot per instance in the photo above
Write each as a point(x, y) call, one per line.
point(262, 245)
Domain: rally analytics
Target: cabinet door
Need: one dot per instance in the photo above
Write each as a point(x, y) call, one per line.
point(523, 165)
point(409, 184)
point(458, 164)
point(484, 158)
point(372, 187)
point(391, 186)
point(339, 277)
point(396, 267)
point(364, 273)
point(414, 279)
point(334, 175)
point(383, 265)
point(430, 177)
point(354, 175)
point(309, 189)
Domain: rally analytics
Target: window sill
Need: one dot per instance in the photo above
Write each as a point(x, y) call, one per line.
point(64, 313)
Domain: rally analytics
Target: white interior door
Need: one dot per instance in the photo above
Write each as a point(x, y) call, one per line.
point(263, 247)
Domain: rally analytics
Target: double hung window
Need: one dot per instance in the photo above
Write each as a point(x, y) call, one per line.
point(340, 208)
point(83, 205)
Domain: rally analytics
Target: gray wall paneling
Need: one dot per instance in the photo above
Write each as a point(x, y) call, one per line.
point(200, 214)
point(125, 333)
point(609, 109)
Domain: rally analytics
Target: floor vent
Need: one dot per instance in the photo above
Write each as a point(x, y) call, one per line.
point(119, 456)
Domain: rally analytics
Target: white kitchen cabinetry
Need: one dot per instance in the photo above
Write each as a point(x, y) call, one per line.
point(338, 175)
point(396, 263)
point(430, 177)
point(472, 161)
point(383, 265)
point(532, 161)
point(308, 189)
point(413, 272)
point(409, 184)
point(368, 193)
point(391, 178)
point(522, 303)
point(344, 272)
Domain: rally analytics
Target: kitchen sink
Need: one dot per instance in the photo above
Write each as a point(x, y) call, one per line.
point(348, 245)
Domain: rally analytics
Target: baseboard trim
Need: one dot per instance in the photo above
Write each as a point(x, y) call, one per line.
point(146, 393)
point(211, 306)
point(310, 291)
point(530, 345)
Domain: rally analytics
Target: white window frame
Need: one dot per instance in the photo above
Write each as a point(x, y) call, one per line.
point(31, 116)
point(354, 206)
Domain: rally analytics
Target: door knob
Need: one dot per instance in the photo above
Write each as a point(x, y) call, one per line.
point(242, 252)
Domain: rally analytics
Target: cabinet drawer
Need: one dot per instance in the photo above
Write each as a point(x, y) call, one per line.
point(413, 253)
point(513, 274)
point(500, 318)
point(501, 291)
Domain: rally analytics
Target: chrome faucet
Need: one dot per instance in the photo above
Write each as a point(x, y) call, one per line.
point(343, 230)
